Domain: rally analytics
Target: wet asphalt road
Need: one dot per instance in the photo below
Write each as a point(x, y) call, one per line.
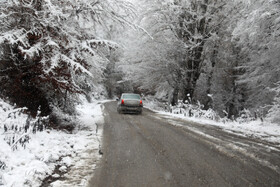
point(150, 150)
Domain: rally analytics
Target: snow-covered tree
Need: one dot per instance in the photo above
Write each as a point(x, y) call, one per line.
point(50, 48)
point(150, 61)
point(217, 86)
point(258, 35)
point(179, 30)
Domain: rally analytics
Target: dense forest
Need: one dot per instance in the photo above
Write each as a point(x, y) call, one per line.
point(51, 51)
point(222, 54)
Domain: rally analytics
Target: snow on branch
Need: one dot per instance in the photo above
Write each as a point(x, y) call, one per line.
point(75, 65)
point(32, 51)
point(107, 43)
point(15, 37)
point(130, 24)
point(50, 42)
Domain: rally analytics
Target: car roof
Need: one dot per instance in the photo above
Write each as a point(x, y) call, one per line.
point(130, 94)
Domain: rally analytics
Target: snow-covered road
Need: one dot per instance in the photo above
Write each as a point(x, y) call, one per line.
point(153, 149)
point(156, 150)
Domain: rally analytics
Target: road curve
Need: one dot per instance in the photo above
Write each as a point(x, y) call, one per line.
point(148, 150)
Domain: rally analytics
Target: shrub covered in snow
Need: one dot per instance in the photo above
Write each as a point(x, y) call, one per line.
point(197, 111)
point(192, 110)
point(17, 126)
point(16, 130)
point(29, 155)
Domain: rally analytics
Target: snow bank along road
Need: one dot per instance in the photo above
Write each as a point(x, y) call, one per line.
point(152, 150)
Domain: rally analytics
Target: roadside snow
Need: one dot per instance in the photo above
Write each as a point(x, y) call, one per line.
point(49, 148)
point(263, 130)
point(87, 150)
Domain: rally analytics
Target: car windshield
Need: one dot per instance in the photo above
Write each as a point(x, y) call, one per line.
point(131, 96)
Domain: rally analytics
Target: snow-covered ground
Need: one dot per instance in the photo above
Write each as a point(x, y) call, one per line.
point(50, 152)
point(71, 158)
point(260, 129)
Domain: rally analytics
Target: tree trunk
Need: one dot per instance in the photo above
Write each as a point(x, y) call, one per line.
point(209, 102)
point(194, 68)
point(175, 95)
